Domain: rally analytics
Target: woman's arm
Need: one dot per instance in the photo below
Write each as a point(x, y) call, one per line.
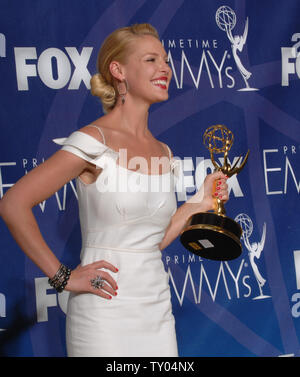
point(202, 201)
point(16, 211)
point(34, 187)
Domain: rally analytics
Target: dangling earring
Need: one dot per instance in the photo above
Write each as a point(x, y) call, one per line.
point(122, 93)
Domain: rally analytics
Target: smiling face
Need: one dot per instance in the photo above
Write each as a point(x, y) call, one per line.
point(147, 71)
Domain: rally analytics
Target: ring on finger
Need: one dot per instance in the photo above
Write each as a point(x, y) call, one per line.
point(97, 282)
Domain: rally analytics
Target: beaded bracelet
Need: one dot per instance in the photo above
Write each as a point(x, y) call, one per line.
point(60, 279)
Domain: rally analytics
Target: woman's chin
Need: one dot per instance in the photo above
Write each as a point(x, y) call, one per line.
point(161, 98)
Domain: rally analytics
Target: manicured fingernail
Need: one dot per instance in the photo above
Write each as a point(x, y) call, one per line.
point(109, 297)
point(117, 287)
point(116, 293)
point(216, 194)
point(218, 188)
point(116, 269)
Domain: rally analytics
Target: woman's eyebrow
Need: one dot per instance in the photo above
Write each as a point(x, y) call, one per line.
point(154, 53)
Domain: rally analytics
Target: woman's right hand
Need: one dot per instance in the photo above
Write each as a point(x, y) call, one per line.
point(80, 279)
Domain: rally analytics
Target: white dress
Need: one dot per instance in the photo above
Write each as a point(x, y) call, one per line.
point(122, 223)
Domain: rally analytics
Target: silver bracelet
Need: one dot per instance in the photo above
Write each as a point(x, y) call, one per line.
point(60, 279)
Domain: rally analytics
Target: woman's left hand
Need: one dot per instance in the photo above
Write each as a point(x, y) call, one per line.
point(214, 186)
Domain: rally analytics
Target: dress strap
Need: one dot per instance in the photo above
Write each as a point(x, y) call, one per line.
point(100, 131)
point(170, 153)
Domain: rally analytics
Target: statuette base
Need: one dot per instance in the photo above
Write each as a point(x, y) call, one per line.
point(212, 236)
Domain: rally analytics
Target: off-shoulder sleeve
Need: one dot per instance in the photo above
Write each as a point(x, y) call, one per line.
point(88, 148)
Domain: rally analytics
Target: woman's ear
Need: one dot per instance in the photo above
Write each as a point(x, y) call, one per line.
point(116, 70)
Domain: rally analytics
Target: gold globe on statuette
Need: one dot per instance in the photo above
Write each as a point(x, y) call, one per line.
point(213, 235)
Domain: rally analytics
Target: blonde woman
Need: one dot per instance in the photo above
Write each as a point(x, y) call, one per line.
point(119, 303)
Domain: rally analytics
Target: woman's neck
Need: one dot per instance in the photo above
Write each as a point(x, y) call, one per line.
point(132, 117)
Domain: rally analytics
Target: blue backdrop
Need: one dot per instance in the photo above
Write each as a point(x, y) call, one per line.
point(48, 49)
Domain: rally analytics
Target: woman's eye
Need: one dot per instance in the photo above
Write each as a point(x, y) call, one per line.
point(151, 60)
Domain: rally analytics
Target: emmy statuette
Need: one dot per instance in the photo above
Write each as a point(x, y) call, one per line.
point(213, 235)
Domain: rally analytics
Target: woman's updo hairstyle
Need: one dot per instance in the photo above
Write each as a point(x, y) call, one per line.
point(115, 48)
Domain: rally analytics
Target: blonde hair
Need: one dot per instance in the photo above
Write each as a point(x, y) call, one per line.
point(115, 47)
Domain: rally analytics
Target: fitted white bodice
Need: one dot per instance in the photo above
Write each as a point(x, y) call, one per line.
point(123, 209)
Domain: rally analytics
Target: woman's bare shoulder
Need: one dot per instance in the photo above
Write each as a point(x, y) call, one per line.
point(104, 129)
point(166, 148)
point(94, 131)
point(101, 129)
